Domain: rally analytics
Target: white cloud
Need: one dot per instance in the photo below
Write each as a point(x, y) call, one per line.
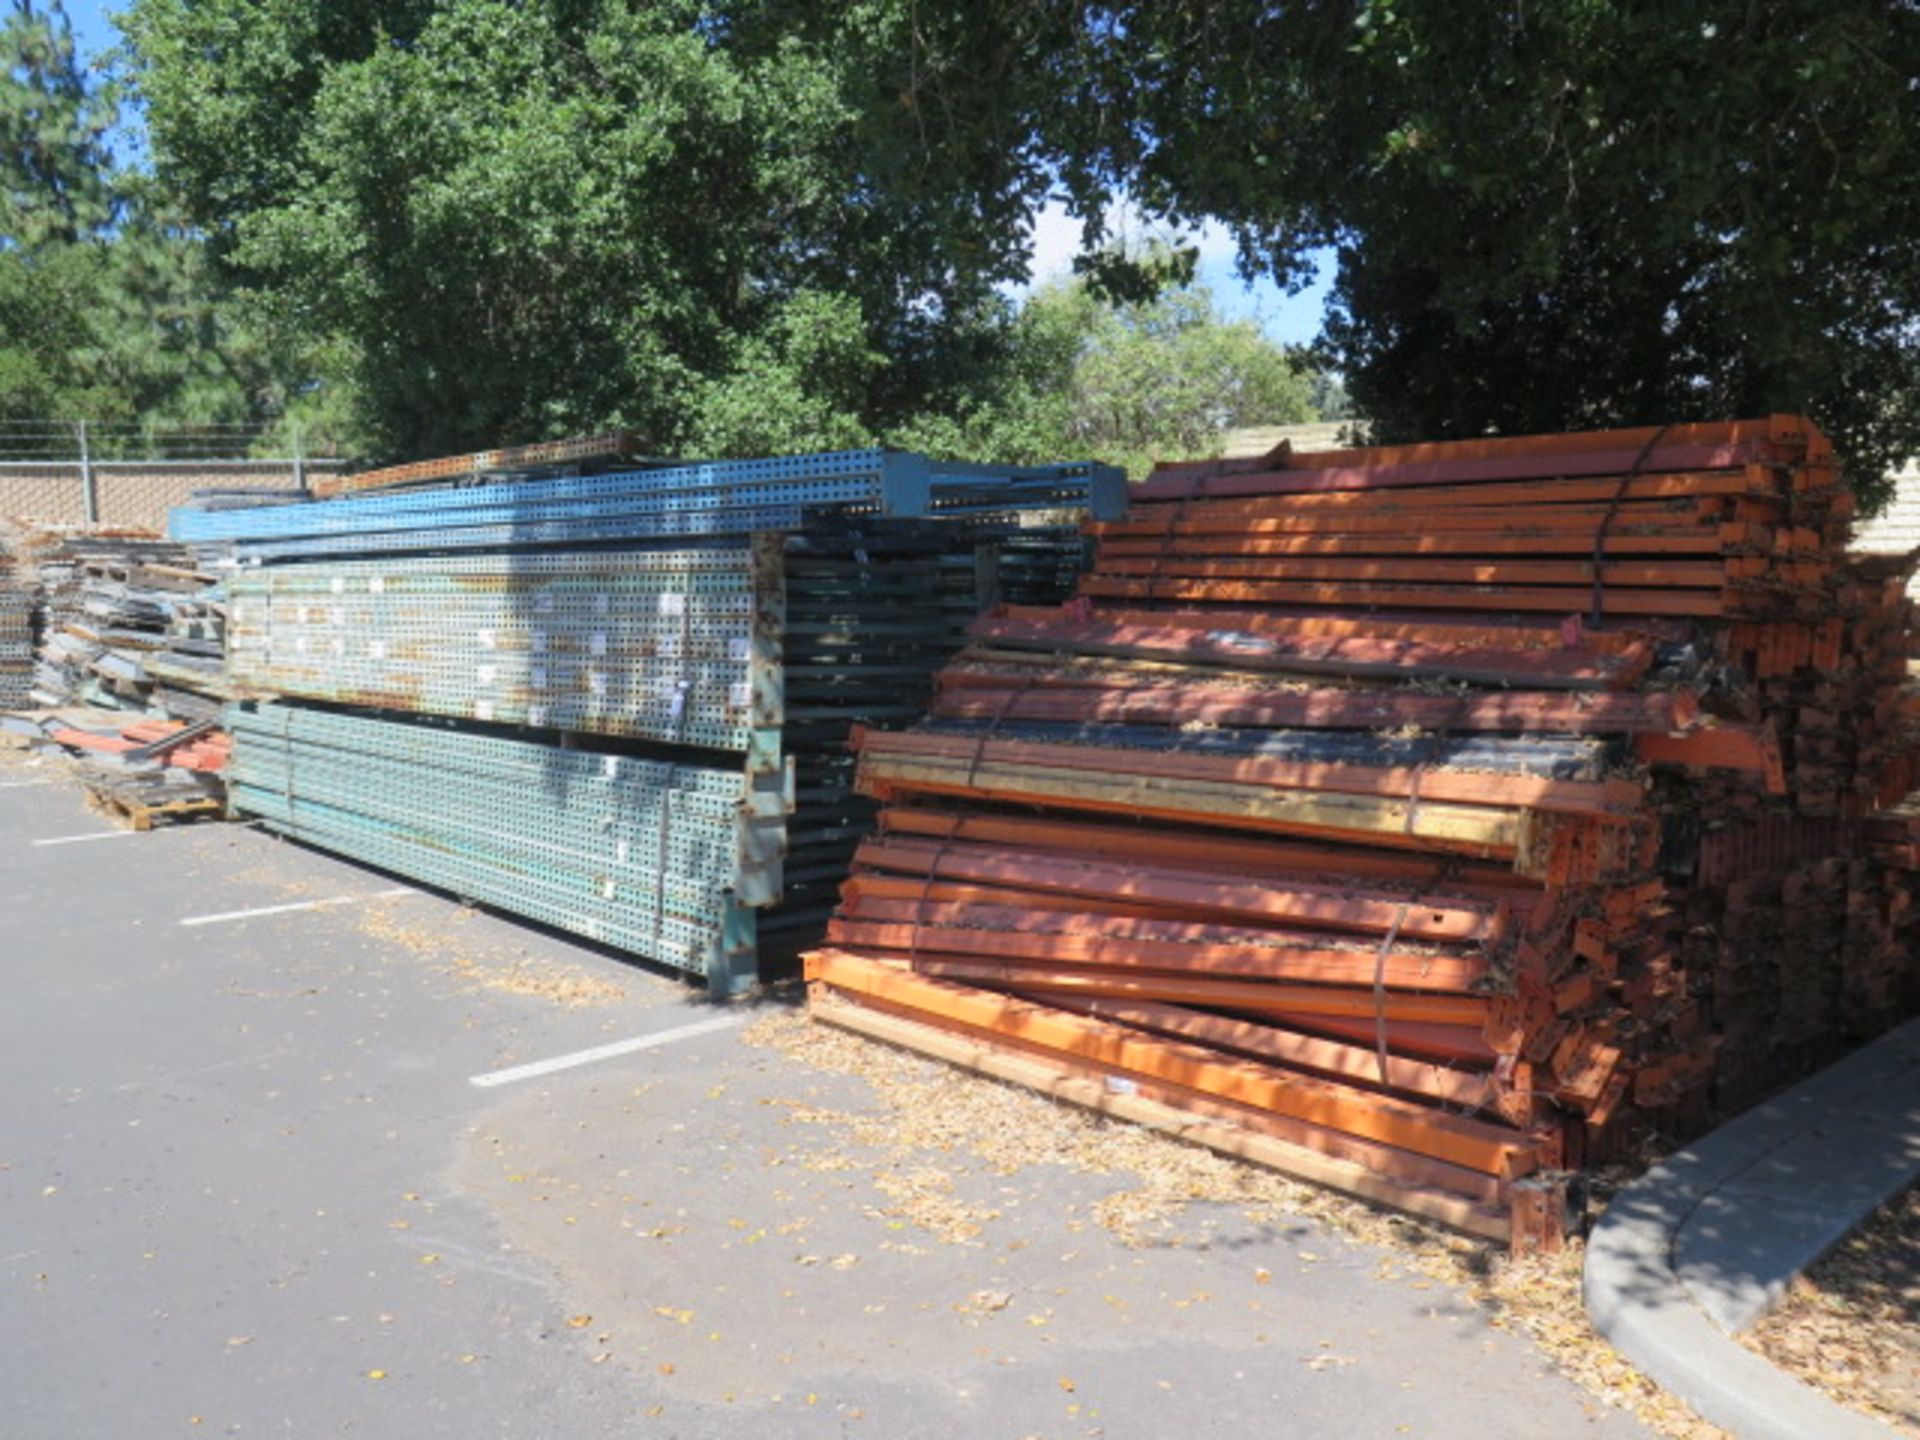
point(1290, 319)
point(1056, 239)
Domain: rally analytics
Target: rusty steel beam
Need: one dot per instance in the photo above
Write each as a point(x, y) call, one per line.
point(963, 693)
point(1597, 799)
point(1475, 1145)
point(1420, 915)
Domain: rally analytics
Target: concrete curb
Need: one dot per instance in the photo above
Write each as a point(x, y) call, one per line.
point(1706, 1243)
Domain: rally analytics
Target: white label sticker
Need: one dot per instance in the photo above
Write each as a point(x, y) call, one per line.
point(377, 585)
point(673, 602)
point(606, 889)
point(377, 649)
point(597, 643)
point(741, 695)
point(338, 615)
point(610, 766)
point(340, 647)
point(536, 715)
point(1239, 640)
point(538, 677)
point(483, 710)
point(486, 640)
point(739, 647)
point(596, 682)
point(669, 647)
point(485, 674)
point(339, 584)
point(620, 852)
point(300, 644)
point(303, 616)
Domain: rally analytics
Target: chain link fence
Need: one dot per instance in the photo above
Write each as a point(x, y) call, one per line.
point(129, 476)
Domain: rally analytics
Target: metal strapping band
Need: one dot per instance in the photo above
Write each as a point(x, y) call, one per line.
point(1380, 987)
point(660, 860)
point(1013, 698)
point(1613, 508)
point(926, 889)
point(1196, 490)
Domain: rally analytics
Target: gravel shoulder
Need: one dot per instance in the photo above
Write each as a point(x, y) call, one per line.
point(1851, 1325)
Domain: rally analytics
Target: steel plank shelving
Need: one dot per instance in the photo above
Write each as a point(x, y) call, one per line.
point(731, 621)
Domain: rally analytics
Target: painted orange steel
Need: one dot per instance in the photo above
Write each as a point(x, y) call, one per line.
point(1597, 799)
point(1724, 747)
point(1504, 840)
point(1679, 515)
point(964, 694)
point(1449, 1044)
point(1514, 633)
point(1177, 947)
point(1217, 855)
point(1266, 998)
point(1568, 600)
point(1474, 1144)
point(1674, 574)
point(608, 445)
point(1345, 477)
point(1791, 433)
point(1416, 1183)
point(1759, 482)
point(1334, 1058)
point(1228, 646)
point(1537, 540)
point(1297, 901)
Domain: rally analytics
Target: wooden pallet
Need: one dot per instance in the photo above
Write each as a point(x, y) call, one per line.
point(144, 814)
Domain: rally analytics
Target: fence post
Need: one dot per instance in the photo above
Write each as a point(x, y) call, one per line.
point(89, 492)
point(299, 459)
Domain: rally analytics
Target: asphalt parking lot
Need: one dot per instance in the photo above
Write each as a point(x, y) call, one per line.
point(285, 1152)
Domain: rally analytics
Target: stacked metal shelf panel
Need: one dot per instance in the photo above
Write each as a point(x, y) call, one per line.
point(16, 641)
point(675, 646)
point(674, 502)
point(660, 857)
point(733, 619)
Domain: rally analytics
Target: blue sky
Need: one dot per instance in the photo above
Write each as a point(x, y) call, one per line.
point(1290, 319)
point(91, 26)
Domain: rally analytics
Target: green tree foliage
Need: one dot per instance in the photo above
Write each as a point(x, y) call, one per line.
point(1553, 214)
point(109, 308)
point(1128, 382)
point(523, 219)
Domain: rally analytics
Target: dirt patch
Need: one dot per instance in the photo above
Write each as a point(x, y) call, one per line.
point(927, 1109)
point(1851, 1325)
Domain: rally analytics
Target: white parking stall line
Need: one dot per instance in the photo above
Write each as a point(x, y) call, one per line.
point(96, 835)
point(537, 1068)
point(228, 916)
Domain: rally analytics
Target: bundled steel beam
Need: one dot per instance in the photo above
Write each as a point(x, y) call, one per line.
point(738, 618)
point(660, 857)
point(1426, 773)
point(678, 646)
point(719, 498)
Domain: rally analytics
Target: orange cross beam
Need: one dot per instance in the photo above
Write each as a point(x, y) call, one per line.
point(1218, 856)
point(1337, 905)
point(1565, 600)
point(1296, 1049)
point(964, 694)
point(1473, 1144)
point(1595, 798)
point(1275, 957)
point(1276, 998)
